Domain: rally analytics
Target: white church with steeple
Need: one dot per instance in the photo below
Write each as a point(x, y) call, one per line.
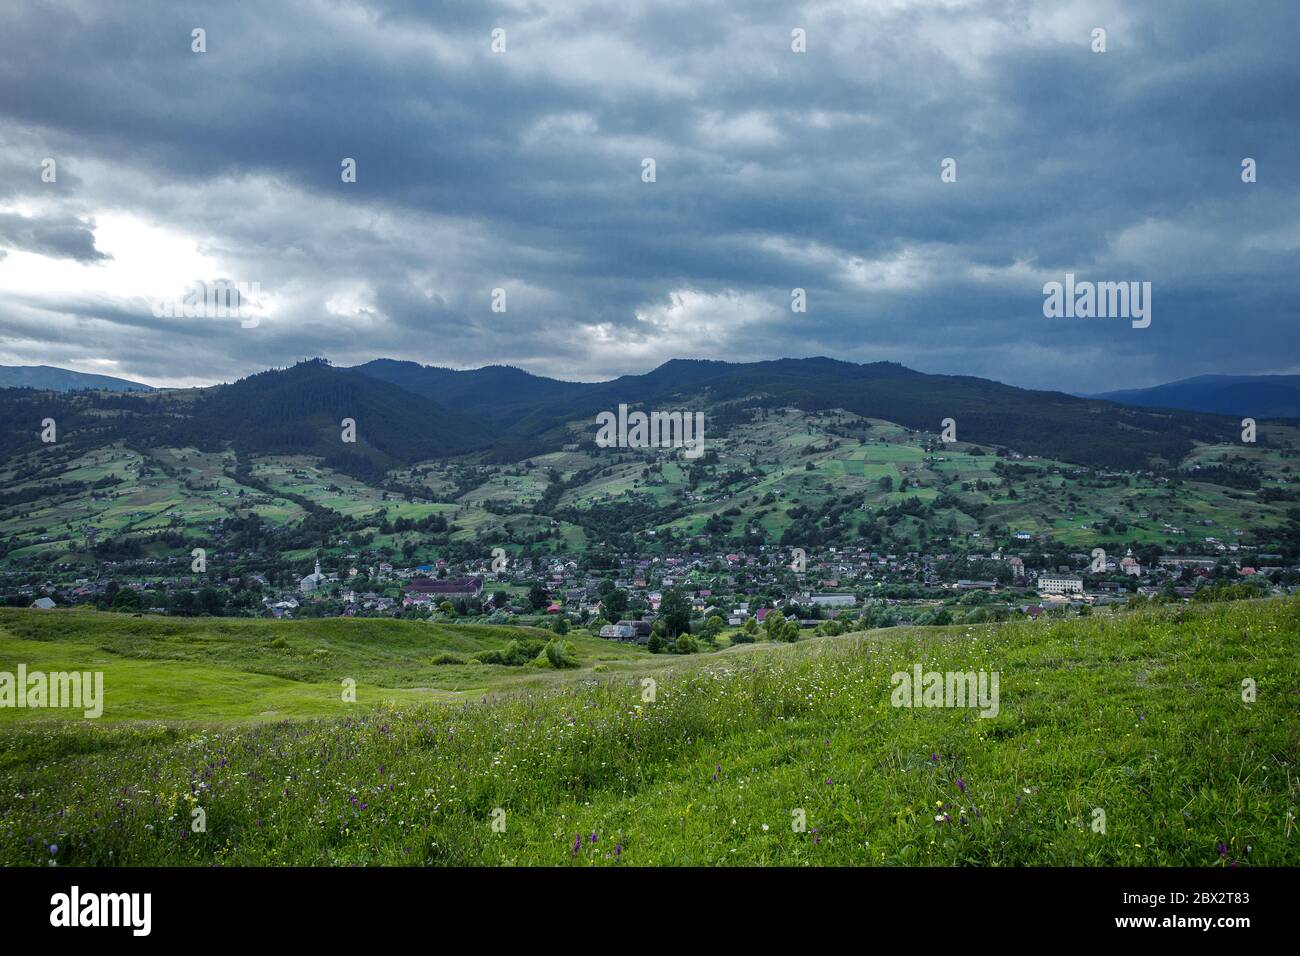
point(313, 581)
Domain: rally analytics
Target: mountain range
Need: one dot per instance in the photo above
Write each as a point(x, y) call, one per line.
point(1257, 396)
point(406, 412)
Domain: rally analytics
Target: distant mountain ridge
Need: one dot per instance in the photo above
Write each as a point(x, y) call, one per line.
point(406, 412)
point(49, 378)
point(531, 410)
point(1258, 396)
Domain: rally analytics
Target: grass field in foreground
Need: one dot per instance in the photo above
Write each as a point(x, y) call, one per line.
point(253, 669)
point(1140, 716)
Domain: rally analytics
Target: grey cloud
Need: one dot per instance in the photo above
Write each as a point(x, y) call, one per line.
point(523, 169)
point(62, 237)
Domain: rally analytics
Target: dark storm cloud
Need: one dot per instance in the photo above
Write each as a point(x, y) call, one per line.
point(775, 170)
point(63, 237)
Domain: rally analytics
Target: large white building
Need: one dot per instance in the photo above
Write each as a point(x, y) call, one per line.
point(1059, 584)
point(833, 600)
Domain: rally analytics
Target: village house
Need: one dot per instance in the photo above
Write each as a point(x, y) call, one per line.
point(619, 632)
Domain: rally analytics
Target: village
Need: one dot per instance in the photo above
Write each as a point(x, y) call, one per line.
point(620, 597)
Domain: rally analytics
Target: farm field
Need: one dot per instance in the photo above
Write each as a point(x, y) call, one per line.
point(1140, 716)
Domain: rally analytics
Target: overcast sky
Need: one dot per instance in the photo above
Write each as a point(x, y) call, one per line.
point(522, 170)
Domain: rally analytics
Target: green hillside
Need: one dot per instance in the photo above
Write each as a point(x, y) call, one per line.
point(209, 669)
point(1140, 716)
point(774, 476)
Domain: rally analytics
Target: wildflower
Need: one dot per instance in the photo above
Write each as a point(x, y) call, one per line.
point(1222, 848)
point(961, 784)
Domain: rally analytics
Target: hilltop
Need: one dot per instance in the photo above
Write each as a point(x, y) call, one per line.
point(49, 378)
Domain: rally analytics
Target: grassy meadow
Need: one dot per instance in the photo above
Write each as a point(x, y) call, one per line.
point(1140, 716)
point(252, 669)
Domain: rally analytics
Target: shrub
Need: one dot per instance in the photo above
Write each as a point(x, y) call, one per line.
point(515, 654)
point(557, 654)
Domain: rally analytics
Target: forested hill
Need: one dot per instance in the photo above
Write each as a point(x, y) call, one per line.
point(406, 412)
